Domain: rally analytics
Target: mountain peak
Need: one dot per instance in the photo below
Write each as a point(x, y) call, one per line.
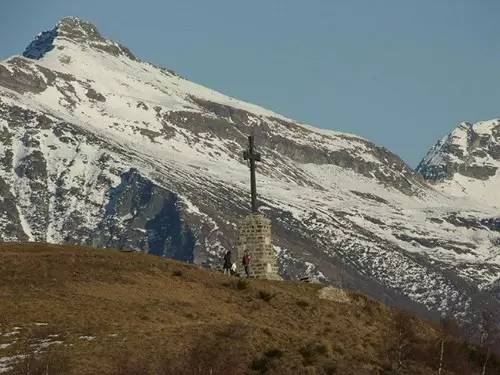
point(466, 162)
point(76, 31)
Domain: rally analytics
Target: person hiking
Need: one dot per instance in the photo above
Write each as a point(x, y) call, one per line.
point(246, 262)
point(227, 263)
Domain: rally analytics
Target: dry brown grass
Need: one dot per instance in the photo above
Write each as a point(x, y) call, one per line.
point(126, 313)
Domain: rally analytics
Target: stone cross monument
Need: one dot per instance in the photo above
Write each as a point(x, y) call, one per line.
point(254, 231)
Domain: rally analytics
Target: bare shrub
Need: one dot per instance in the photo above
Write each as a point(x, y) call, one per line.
point(400, 341)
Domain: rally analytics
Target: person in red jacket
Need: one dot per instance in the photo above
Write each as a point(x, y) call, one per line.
point(246, 262)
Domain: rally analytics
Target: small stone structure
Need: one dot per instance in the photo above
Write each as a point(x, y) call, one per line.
point(255, 236)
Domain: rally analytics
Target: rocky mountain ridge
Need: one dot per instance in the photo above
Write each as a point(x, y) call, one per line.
point(102, 149)
point(466, 162)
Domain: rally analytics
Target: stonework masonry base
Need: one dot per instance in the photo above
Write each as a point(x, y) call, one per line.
point(254, 235)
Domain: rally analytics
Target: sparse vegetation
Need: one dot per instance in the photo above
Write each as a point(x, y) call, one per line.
point(125, 313)
point(401, 341)
point(302, 303)
point(260, 365)
point(313, 352)
point(53, 362)
point(267, 361)
point(177, 273)
point(242, 284)
point(273, 353)
point(265, 295)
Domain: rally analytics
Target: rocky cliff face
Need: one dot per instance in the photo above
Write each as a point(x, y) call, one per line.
point(100, 148)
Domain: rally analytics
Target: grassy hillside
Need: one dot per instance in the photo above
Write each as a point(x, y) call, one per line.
point(85, 311)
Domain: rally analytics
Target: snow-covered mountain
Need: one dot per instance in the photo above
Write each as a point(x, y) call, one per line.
point(100, 148)
point(466, 163)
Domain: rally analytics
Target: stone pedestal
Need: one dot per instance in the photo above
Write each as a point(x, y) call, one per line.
point(254, 235)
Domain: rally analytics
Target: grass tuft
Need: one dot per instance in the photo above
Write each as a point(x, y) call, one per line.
point(242, 284)
point(260, 365)
point(266, 296)
point(273, 353)
point(313, 352)
point(303, 303)
point(266, 361)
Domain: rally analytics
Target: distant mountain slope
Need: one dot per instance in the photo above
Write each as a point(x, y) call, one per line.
point(100, 148)
point(103, 312)
point(467, 162)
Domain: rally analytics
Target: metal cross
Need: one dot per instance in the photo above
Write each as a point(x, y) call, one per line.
point(252, 156)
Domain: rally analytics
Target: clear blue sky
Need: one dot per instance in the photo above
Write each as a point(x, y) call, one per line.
point(401, 73)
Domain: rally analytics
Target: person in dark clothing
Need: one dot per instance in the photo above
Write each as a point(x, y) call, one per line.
point(227, 263)
point(246, 262)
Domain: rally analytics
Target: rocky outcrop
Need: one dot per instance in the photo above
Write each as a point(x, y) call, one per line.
point(142, 216)
point(43, 43)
